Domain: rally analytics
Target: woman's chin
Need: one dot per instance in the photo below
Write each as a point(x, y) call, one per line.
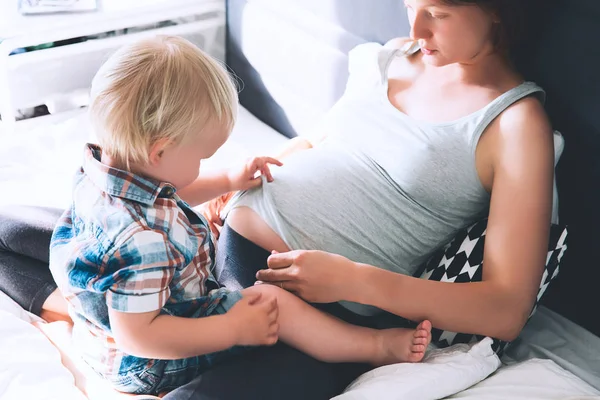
point(435, 59)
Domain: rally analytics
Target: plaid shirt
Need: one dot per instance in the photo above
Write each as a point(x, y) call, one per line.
point(132, 244)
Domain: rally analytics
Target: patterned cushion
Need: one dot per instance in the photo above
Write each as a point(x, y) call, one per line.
point(461, 260)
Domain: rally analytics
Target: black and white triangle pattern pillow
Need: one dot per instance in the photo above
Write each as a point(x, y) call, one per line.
point(461, 260)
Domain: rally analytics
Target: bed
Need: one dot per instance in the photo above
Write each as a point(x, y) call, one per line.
point(291, 59)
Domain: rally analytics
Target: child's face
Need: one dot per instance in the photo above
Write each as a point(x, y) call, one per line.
point(180, 164)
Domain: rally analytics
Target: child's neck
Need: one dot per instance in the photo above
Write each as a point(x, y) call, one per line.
point(133, 168)
point(111, 162)
point(145, 171)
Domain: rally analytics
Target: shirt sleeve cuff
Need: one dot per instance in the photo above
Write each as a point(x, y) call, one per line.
point(132, 303)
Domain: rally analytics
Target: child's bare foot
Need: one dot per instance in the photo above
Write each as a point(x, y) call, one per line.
point(404, 345)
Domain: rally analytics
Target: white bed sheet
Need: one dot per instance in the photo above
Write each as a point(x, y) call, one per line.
point(36, 168)
point(37, 163)
point(550, 336)
point(552, 359)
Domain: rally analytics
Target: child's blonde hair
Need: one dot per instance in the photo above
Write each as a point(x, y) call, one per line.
point(159, 88)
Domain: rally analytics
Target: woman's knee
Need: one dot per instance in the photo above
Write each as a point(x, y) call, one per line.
point(9, 227)
point(286, 301)
point(26, 230)
point(266, 290)
point(238, 260)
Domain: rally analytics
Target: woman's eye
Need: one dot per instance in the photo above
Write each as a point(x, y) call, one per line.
point(438, 16)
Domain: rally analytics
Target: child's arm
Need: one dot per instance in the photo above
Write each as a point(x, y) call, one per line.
point(213, 184)
point(250, 322)
point(137, 279)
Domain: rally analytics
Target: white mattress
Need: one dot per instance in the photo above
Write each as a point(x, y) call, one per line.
point(554, 358)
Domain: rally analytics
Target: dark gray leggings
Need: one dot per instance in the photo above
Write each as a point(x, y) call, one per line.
point(24, 243)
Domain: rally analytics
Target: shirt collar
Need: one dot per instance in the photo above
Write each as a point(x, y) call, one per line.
point(120, 183)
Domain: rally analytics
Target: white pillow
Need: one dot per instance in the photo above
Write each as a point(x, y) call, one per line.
point(442, 373)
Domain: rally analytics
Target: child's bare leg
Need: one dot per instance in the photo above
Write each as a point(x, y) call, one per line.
point(329, 339)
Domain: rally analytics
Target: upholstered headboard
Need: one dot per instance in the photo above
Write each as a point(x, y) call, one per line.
point(291, 57)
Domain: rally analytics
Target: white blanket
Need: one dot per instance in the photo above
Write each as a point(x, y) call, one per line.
point(34, 367)
point(442, 373)
point(31, 366)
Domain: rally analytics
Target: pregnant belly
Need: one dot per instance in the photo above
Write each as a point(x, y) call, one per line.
point(250, 225)
point(310, 199)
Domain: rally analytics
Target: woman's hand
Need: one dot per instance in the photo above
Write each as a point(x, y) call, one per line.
point(245, 178)
point(315, 276)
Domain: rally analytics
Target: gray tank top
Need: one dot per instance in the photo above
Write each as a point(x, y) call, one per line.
point(383, 188)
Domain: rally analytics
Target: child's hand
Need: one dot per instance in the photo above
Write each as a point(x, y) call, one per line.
point(255, 320)
point(244, 178)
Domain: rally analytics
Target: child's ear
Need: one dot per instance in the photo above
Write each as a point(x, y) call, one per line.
point(157, 150)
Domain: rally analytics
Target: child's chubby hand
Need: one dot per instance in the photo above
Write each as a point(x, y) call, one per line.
point(245, 178)
point(254, 320)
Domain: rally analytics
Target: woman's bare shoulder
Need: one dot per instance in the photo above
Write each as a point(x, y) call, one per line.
point(520, 136)
point(523, 118)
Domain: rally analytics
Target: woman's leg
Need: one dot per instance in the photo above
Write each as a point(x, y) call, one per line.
point(25, 234)
point(266, 373)
point(238, 260)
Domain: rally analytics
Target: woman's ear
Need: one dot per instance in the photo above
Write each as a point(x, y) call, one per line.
point(157, 150)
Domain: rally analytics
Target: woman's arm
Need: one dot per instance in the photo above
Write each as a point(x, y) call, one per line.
point(522, 161)
point(294, 145)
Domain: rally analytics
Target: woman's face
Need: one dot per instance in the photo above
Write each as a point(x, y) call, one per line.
point(450, 33)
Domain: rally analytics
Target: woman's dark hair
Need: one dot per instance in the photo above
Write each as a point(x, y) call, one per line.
point(511, 15)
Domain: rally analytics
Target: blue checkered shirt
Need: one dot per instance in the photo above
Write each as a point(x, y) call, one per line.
point(129, 243)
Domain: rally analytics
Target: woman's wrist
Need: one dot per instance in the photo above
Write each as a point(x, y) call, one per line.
point(357, 282)
point(371, 285)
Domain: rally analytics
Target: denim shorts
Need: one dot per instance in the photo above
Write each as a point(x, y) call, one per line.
point(165, 375)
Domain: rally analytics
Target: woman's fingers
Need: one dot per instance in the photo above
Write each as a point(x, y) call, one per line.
point(273, 275)
point(281, 260)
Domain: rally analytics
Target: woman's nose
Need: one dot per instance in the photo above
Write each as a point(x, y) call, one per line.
point(419, 28)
